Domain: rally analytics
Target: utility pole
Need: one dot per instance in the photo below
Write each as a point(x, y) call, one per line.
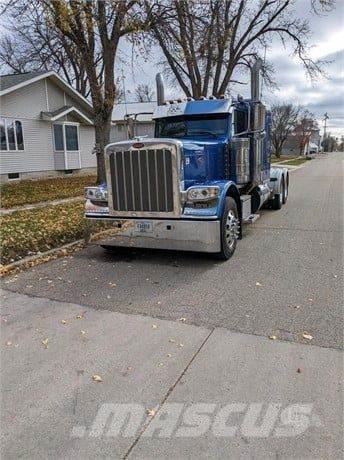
point(326, 117)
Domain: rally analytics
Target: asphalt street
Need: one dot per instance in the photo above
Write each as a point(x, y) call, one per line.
point(237, 359)
point(284, 279)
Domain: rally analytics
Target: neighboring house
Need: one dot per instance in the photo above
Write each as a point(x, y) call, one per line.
point(46, 127)
point(132, 119)
point(292, 144)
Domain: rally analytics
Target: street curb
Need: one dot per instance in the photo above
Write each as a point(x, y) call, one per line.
point(37, 259)
point(41, 204)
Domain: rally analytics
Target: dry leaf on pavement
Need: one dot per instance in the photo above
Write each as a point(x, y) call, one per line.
point(307, 336)
point(150, 412)
point(45, 343)
point(96, 378)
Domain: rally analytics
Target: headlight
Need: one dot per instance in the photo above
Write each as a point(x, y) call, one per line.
point(202, 193)
point(96, 194)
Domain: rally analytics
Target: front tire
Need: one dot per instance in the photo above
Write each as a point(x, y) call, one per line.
point(230, 229)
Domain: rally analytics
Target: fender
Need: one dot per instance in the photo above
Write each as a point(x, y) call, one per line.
point(229, 188)
point(276, 175)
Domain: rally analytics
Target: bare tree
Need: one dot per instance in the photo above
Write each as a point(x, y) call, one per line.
point(97, 26)
point(144, 93)
point(303, 130)
point(32, 43)
point(205, 42)
point(284, 120)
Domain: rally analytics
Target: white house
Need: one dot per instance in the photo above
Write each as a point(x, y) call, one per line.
point(46, 127)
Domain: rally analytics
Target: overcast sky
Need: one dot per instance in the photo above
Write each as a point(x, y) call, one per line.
point(323, 96)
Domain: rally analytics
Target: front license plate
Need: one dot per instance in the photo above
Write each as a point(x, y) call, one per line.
point(144, 227)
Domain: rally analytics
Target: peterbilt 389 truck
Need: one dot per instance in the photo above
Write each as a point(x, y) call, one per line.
point(205, 173)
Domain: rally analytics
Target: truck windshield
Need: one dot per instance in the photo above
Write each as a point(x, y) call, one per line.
point(176, 127)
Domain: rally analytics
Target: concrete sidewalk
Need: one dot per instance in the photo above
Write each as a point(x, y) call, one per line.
point(196, 392)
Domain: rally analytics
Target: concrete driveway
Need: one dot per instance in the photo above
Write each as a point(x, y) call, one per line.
point(183, 339)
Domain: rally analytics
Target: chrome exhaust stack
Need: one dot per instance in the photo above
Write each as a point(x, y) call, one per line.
point(255, 80)
point(160, 90)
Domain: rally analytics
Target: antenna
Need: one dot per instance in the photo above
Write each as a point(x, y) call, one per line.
point(124, 92)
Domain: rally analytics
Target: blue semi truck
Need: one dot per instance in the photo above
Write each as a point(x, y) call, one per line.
point(205, 173)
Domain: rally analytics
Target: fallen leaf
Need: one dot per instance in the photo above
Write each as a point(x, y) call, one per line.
point(272, 337)
point(182, 320)
point(154, 326)
point(150, 412)
point(258, 283)
point(45, 343)
point(307, 336)
point(96, 378)
point(9, 343)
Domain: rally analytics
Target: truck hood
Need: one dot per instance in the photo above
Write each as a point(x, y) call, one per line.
point(202, 160)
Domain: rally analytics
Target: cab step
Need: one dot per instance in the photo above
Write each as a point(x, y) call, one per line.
point(251, 219)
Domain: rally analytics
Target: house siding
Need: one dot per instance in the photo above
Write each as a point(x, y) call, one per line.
point(38, 149)
point(87, 143)
point(26, 102)
point(38, 156)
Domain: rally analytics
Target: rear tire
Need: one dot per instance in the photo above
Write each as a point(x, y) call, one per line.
point(230, 229)
point(278, 198)
point(286, 190)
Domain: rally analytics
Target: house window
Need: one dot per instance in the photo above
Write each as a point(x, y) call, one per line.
point(66, 137)
point(11, 134)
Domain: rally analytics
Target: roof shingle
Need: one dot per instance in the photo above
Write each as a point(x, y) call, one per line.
point(7, 81)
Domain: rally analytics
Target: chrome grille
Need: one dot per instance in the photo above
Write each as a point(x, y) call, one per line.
point(142, 180)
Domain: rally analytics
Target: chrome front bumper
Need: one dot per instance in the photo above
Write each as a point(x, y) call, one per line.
point(183, 235)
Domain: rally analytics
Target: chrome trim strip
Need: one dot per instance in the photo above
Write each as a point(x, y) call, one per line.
point(132, 179)
point(124, 183)
point(148, 188)
point(156, 179)
point(165, 177)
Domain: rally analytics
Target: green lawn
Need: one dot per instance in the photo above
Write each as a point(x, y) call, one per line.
point(296, 161)
point(26, 233)
point(33, 191)
point(282, 158)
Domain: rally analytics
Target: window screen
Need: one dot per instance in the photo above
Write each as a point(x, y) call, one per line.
point(58, 137)
point(71, 137)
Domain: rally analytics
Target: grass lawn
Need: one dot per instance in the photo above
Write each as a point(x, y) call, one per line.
point(25, 233)
point(282, 158)
point(295, 162)
point(33, 191)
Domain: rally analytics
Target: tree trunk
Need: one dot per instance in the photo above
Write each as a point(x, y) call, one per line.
point(102, 135)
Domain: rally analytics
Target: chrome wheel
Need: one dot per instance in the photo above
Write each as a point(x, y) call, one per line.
point(232, 229)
